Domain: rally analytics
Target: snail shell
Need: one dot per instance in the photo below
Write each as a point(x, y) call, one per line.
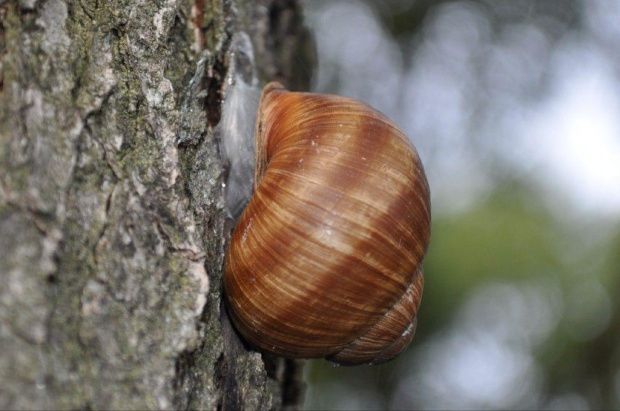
point(325, 260)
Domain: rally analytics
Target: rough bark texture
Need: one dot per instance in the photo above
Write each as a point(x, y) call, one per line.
point(112, 223)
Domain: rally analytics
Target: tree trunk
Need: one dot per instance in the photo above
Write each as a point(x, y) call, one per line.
point(112, 221)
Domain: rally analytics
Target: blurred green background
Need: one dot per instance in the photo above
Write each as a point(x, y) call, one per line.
point(514, 107)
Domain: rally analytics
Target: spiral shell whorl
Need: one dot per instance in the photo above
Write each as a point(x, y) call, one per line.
point(326, 258)
point(390, 335)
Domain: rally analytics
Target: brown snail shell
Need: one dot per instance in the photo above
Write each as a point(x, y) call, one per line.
point(325, 260)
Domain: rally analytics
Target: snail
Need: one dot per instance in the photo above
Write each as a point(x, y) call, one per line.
point(326, 258)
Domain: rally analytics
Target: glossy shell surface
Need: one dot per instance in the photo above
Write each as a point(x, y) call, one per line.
point(325, 260)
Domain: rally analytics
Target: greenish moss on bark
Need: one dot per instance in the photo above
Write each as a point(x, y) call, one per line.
point(111, 210)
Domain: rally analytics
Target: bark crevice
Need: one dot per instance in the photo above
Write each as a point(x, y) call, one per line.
point(111, 209)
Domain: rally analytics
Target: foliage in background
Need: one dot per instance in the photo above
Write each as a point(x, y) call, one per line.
point(512, 105)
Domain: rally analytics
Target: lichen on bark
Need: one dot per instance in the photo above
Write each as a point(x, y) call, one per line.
point(112, 221)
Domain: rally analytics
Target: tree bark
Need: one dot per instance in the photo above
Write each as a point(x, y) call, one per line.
point(112, 223)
